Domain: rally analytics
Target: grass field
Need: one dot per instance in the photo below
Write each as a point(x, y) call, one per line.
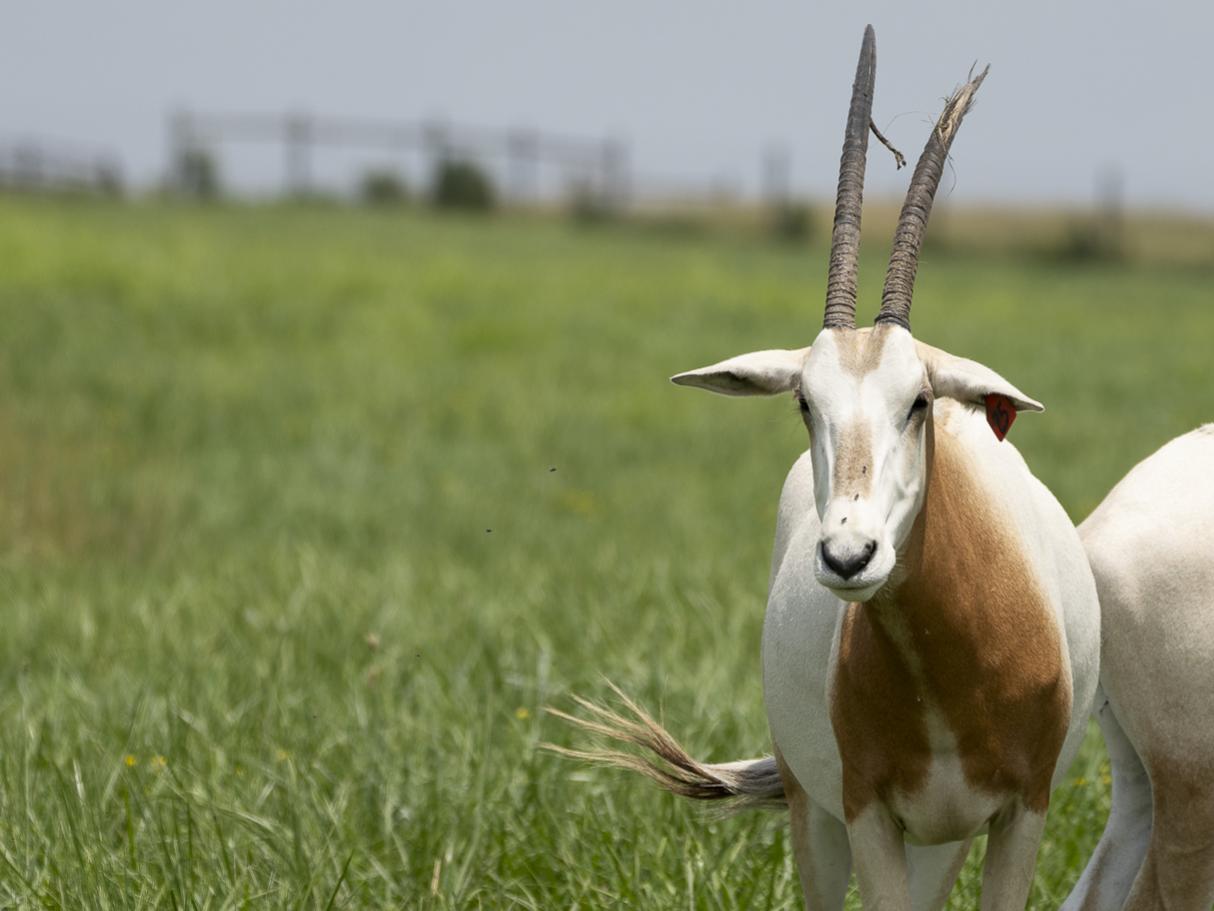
point(306, 514)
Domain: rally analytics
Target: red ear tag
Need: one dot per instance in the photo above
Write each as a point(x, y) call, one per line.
point(1000, 412)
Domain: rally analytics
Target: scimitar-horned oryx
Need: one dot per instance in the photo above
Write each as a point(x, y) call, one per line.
point(931, 642)
point(1151, 544)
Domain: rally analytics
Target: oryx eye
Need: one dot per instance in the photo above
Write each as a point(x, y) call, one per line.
point(919, 405)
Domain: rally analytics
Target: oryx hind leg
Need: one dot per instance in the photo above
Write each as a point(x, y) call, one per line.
point(1110, 872)
point(1178, 870)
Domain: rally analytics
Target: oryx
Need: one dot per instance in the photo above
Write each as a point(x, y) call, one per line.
point(931, 643)
point(1151, 545)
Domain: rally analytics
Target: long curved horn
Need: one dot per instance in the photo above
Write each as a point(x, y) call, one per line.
point(845, 238)
point(912, 223)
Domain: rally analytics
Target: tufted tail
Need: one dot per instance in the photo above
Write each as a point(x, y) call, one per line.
point(745, 784)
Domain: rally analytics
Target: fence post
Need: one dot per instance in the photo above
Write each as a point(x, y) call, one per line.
point(179, 136)
point(437, 144)
point(777, 181)
point(1110, 212)
point(615, 174)
point(298, 143)
point(522, 152)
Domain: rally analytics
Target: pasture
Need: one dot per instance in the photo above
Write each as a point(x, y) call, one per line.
point(306, 514)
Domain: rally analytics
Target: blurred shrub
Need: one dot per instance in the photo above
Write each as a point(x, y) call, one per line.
point(383, 188)
point(588, 207)
point(108, 180)
point(462, 185)
point(315, 198)
point(674, 225)
point(1092, 240)
point(792, 222)
point(196, 174)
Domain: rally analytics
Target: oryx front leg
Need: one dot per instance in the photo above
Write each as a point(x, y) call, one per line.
point(879, 855)
point(1011, 853)
point(823, 857)
point(933, 870)
point(820, 846)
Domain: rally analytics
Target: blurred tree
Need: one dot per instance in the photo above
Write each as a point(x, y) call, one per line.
point(462, 185)
point(108, 179)
point(588, 206)
point(197, 174)
point(792, 221)
point(383, 188)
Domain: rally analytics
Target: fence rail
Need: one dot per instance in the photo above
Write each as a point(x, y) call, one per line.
point(52, 165)
point(600, 166)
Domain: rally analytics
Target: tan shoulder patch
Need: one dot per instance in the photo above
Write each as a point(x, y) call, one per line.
point(878, 721)
point(984, 645)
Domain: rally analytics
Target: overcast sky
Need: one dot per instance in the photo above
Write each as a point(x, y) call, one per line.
point(697, 87)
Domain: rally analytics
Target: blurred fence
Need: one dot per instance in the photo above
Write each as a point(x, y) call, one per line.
point(46, 165)
point(523, 167)
point(523, 161)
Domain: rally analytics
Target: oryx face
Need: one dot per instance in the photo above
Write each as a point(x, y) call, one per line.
point(866, 394)
point(866, 399)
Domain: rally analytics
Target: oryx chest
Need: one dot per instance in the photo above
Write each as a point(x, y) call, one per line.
point(941, 723)
point(945, 804)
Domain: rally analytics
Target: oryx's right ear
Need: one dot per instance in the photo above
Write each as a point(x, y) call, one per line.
point(757, 373)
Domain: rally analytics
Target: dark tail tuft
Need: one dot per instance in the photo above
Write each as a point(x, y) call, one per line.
point(746, 783)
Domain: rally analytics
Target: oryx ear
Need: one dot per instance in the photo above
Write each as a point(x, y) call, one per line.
point(757, 373)
point(969, 382)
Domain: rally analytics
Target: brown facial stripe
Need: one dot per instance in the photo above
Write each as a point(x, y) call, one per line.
point(985, 648)
point(859, 353)
point(852, 472)
point(860, 349)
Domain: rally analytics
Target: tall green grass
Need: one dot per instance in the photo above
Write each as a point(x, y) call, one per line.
point(305, 515)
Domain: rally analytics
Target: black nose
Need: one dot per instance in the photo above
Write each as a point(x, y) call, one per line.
point(846, 565)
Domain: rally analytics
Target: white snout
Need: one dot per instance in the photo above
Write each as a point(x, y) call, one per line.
point(854, 555)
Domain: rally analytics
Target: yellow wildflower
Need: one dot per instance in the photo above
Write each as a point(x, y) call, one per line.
point(579, 502)
point(131, 760)
point(521, 713)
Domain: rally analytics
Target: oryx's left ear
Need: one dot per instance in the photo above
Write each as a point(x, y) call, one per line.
point(757, 373)
point(970, 382)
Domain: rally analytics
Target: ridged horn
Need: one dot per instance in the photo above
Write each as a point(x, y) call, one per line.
point(845, 237)
point(912, 222)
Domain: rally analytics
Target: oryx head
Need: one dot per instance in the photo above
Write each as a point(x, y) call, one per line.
point(866, 394)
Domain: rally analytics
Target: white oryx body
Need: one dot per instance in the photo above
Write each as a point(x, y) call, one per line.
point(931, 648)
point(802, 634)
point(1151, 545)
point(939, 685)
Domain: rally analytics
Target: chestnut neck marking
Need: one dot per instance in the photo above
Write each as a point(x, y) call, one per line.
point(967, 633)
